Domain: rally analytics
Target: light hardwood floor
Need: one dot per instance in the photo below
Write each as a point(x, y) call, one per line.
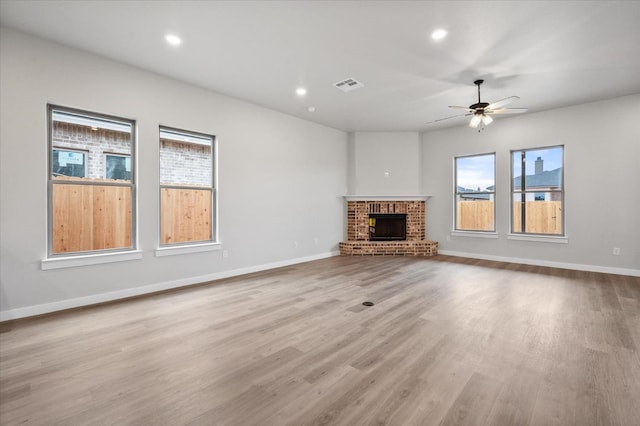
point(449, 341)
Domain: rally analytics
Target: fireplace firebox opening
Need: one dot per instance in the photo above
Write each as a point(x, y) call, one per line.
point(387, 227)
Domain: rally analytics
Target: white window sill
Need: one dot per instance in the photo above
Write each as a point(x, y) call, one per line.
point(186, 249)
point(539, 238)
point(475, 234)
point(89, 259)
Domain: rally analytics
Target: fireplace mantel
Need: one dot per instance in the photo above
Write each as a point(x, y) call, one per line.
point(386, 197)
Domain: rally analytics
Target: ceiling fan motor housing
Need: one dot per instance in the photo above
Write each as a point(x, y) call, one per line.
point(479, 105)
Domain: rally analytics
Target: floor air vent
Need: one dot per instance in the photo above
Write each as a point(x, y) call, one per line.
point(348, 85)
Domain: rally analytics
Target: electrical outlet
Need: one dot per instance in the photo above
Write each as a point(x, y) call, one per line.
point(315, 241)
point(225, 253)
point(616, 251)
point(295, 244)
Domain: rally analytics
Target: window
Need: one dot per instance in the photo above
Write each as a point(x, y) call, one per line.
point(67, 162)
point(187, 187)
point(537, 188)
point(475, 192)
point(117, 166)
point(88, 211)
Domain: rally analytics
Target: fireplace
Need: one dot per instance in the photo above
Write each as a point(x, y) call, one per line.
point(387, 227)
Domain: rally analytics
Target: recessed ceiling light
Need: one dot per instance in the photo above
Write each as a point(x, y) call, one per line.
point(439, 34)
point(311, 109)
point(173, 39)
point(301, 91)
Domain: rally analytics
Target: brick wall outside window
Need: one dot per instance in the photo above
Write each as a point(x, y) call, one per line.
point(184, 163)
point(180, 163)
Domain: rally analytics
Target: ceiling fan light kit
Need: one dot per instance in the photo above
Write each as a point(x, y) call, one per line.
point(481, 111)
point(480, 119)
point(475, 120)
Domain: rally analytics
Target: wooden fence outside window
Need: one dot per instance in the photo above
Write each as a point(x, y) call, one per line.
point(543, 217)
point(90, 217)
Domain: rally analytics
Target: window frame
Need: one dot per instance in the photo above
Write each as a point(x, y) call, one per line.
point(195, 245)
point(106, 154)
point(131, 184)
point(523, 193)
point(456, 194)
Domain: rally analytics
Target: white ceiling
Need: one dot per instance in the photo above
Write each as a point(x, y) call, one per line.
point(551, 54)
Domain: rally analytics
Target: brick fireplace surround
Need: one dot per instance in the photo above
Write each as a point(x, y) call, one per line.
point(358, 243)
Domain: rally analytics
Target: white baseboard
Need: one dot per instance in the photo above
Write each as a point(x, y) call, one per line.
point(549, 263)
point(46, 308)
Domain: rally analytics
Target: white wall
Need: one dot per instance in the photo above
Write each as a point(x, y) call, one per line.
point(602, 179)
point(375, 153)
point(280, 178)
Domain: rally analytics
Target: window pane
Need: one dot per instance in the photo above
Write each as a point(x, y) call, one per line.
point(541, 216)
point(475, 214)
point(185, 216)
point(475, 174)
point(516, 164)
point(186, 179)
point(75, 134)
point(516, 213)
point(185, 162)
point(543, 169)
point(90, 215)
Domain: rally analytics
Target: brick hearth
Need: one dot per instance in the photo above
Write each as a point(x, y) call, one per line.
point(358, 229)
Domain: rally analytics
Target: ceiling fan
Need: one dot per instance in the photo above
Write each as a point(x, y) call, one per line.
point(482, 111)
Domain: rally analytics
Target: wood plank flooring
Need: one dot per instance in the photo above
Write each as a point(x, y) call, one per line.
point(449, 341)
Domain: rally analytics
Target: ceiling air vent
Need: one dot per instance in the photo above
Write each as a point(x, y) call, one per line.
point(348, 85)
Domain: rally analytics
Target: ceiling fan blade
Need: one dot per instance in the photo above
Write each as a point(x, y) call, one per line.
point(502, 102)
point(506, 111)
point(460, 107)
point(447, 118)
